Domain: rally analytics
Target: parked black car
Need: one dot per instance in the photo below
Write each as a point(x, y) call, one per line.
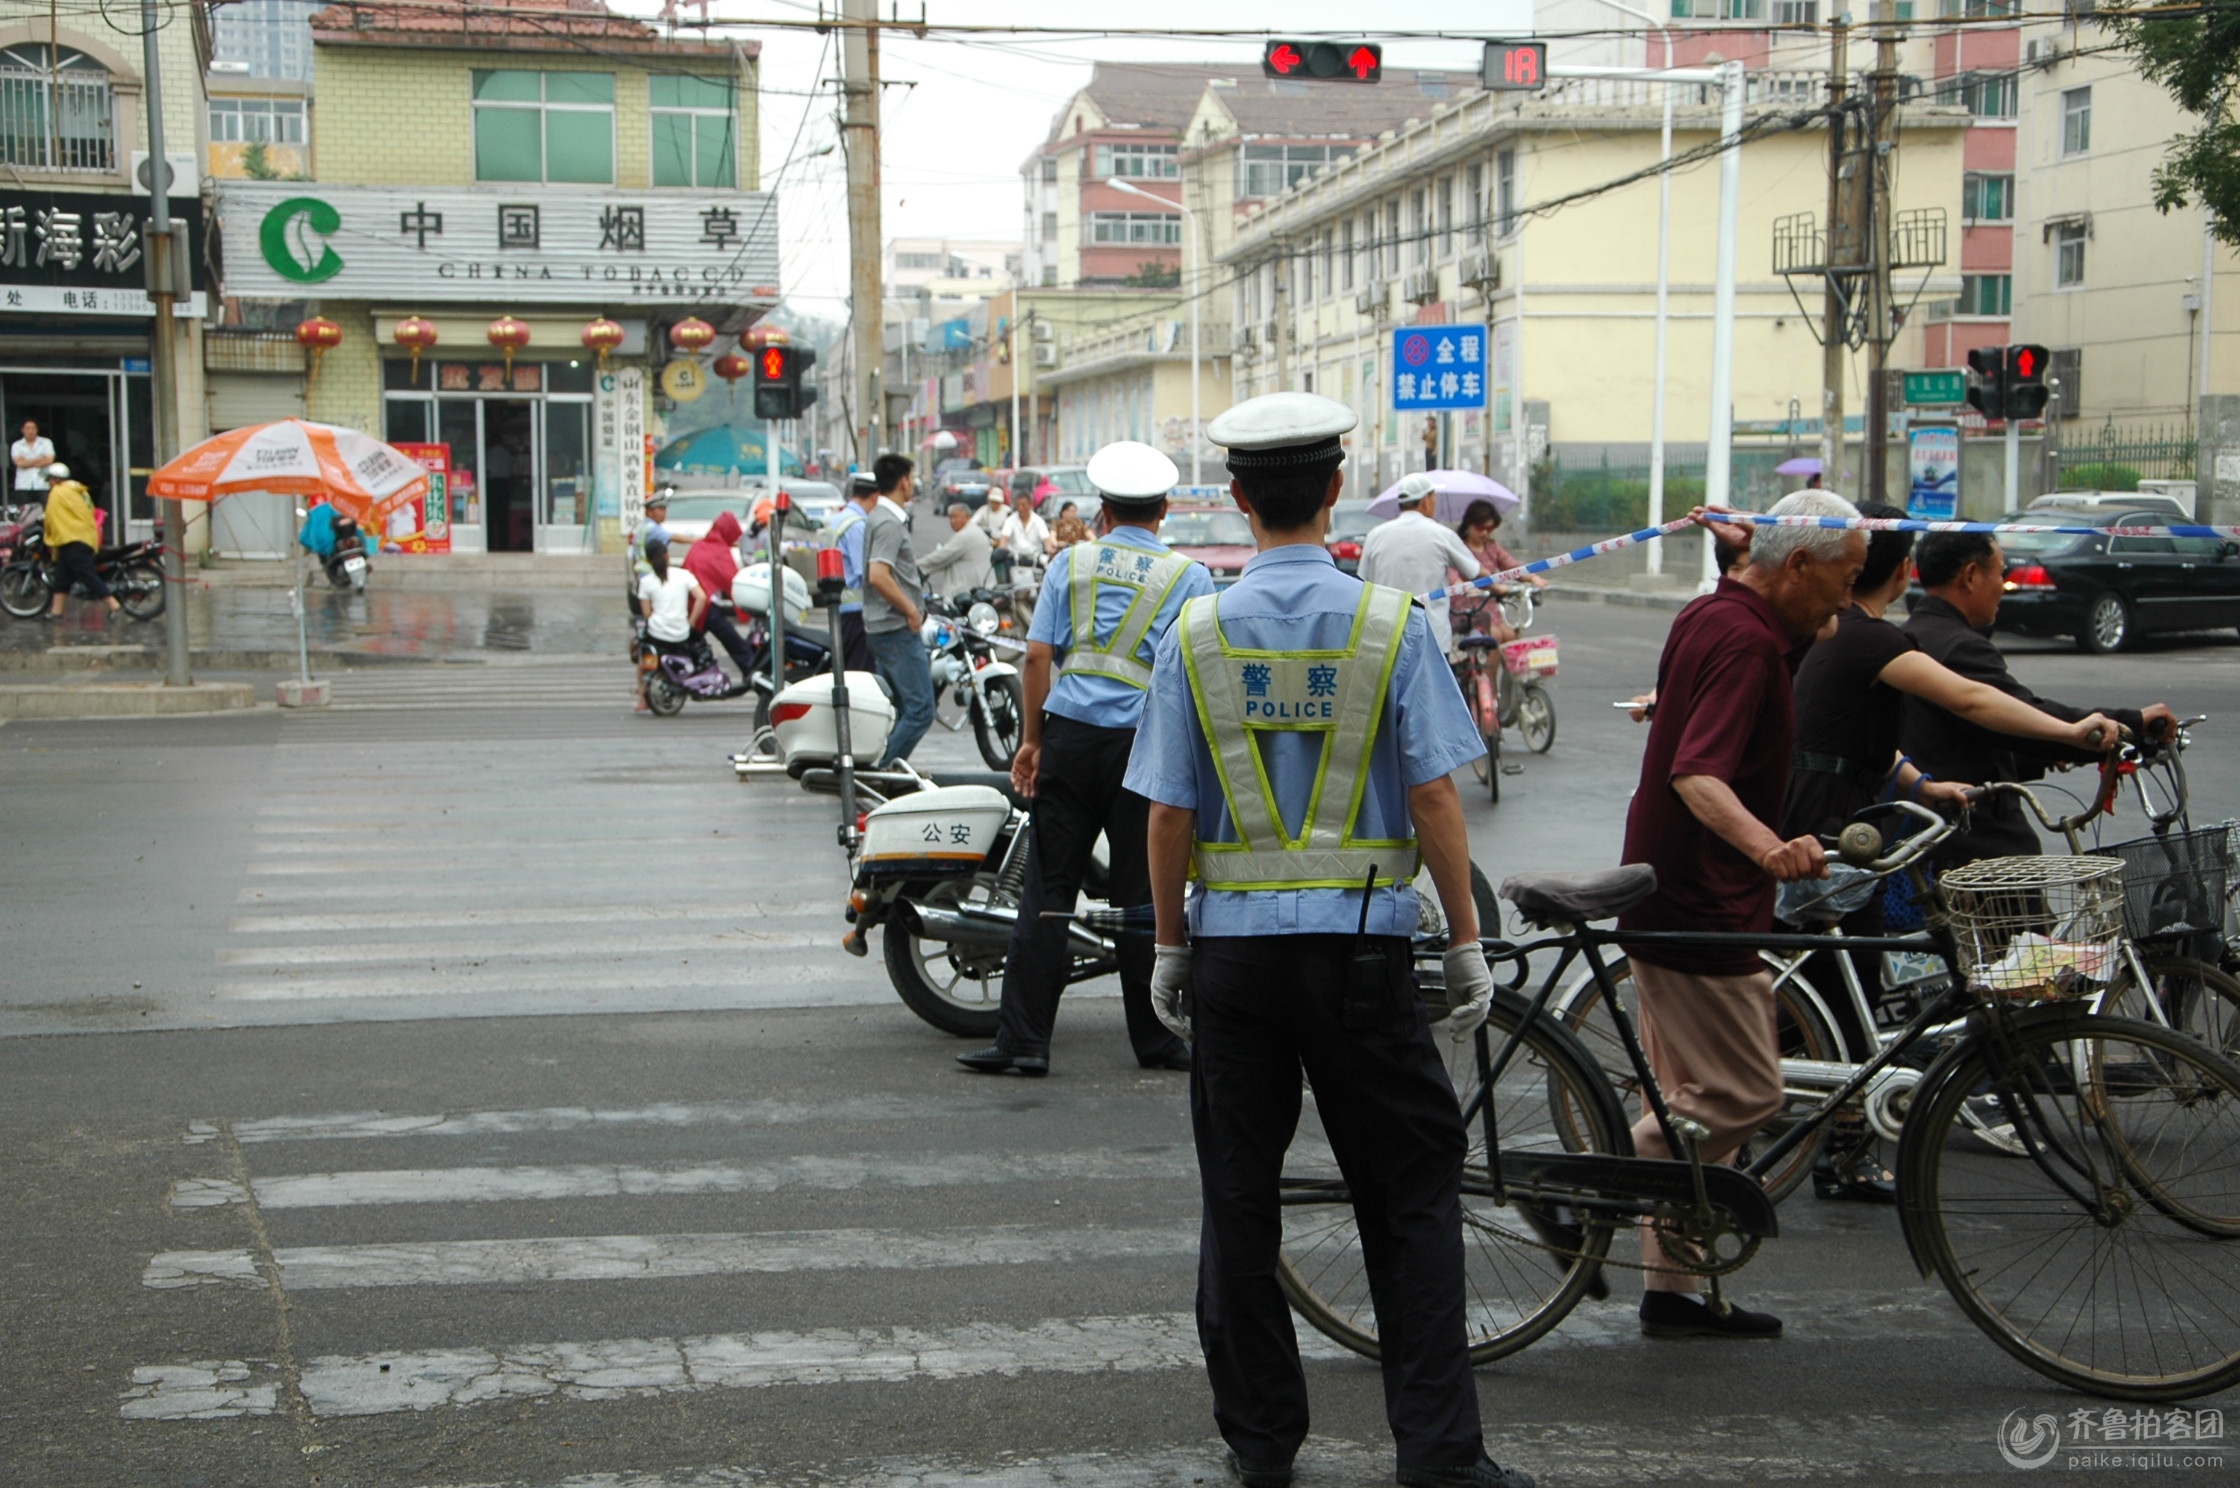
point(960, 480)
point(2107, 591)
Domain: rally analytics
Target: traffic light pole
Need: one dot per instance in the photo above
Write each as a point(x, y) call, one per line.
point(2014, 465)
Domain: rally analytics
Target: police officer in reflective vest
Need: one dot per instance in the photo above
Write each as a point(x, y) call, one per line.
point(846, 533)
point(1105, 605)
point(1296, 748)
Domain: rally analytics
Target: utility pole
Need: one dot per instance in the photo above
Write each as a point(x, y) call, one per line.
point(163, 353)
point(1280, 325)
point(1883, 86)
point(859, 71)
point(1834, 313)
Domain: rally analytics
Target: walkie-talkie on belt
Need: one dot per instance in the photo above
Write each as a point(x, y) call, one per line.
point(1367, 997)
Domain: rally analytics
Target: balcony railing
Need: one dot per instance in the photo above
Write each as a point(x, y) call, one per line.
point(56, 121)
point(1163, 335)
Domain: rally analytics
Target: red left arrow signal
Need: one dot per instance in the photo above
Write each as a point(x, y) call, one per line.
point(1364, 63)
point(1282, 60)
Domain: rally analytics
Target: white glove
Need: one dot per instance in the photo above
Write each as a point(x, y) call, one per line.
point(1469, 990)
point(1170, 980)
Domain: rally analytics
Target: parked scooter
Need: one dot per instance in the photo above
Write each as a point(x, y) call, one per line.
point(351, 561)
point(970, 685)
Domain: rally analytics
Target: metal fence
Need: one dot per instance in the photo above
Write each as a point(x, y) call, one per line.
point(55, 120)
point(2117, 459)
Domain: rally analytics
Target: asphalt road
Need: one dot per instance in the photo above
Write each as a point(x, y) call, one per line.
point(464, 1086)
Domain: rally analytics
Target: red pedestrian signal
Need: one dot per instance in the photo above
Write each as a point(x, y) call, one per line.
point(773, 364)
point(1353, 62)
point(2027, 392)
point(778, 378)
point(1514, 66)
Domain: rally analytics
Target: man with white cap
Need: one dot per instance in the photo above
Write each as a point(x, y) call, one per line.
point(1413, 552)
point(1296, 748)
point(1106, 605)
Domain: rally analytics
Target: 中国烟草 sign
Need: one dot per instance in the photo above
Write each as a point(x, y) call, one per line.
point(293, 239)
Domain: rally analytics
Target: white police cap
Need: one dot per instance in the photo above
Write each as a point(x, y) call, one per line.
point(1414, 488)
point(1130, 470)
point(1278, 429)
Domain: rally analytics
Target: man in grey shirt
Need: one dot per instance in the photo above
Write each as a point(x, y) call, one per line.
point(966, 561)
point(891, 617)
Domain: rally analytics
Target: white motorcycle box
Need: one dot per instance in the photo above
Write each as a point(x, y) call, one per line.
point(801, 717)
point(939, 830)
point(750, 593)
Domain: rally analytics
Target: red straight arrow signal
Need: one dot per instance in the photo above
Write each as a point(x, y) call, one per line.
point(1363, 63)
point(1284, 60)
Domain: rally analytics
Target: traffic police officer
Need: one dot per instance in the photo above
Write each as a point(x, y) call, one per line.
point(847, 535)
point(1105, 606)
point(1296, 747)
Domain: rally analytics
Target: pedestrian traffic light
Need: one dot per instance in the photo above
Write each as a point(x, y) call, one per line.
point(779, 371)
point(1514, 66)
point(1987, 383)
point(2026, 381)
point(1340, 61)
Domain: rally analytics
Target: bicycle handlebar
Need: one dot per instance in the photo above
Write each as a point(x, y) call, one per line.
point(1855, 849)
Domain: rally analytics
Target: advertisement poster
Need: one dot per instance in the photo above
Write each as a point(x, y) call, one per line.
point(1934, 456)
point(423, 527)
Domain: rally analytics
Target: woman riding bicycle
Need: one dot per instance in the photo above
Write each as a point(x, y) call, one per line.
point(1475, 607)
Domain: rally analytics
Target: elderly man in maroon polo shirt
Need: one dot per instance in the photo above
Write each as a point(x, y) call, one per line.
point(1712, 782)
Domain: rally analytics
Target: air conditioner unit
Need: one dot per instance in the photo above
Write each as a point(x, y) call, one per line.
point(1045, 331)
point(1481, 269)
point(1046, 354)
point(185, 174)
point(1370, 299)
point(1421, 286)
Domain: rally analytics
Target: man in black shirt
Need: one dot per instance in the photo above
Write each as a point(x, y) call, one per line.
point(1965, 575)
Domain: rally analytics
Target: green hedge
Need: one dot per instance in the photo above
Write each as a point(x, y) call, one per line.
point(2099, 478)
point(1603, 500)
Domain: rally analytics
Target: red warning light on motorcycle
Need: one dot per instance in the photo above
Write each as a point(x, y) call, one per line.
point(1514, 66)
point(1323, 61)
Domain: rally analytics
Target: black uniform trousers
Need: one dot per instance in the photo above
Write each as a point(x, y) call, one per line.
point(1266, 1006)
point(1077, 794)
point(855, 644)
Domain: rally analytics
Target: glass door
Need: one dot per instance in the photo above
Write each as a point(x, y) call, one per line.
point(565, 523)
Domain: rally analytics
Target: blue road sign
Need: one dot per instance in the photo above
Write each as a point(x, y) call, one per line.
point(1435, 367)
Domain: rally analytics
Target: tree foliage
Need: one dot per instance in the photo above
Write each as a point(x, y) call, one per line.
point(2196, 57)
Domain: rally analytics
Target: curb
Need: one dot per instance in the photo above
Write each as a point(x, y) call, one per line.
point(150, 658)
point(122, 699)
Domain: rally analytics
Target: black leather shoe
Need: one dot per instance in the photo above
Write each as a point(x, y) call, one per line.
point(1483, 1473)
point(1830, 1183)
point(997, 1060)
point(1558, 1235)
point(1176, 1058)
point(1258, 1477)
point(1681, 1315)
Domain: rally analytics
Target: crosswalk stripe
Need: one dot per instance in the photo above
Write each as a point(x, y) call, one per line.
point(1320, 1461)
point(487, 952)
point(415, 919)
point(837, 1110)
point(598, 1181)
point(618, 1368)
point(658, 1257)
point(839, 981)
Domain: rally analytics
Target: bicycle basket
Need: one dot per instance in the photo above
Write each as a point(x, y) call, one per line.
point(2174, 885)
point(1530, 656)
point(2034, 928)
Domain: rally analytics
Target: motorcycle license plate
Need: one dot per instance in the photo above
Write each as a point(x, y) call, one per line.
point(354, 565)
point(1530, 656)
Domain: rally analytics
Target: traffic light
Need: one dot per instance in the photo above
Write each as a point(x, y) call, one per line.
point(1342, 61)
point(1987, 387)
point(2026, 381)
point(1514, 66)
point(779, 390)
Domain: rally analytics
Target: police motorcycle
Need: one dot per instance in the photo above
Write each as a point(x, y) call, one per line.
point(971, 684)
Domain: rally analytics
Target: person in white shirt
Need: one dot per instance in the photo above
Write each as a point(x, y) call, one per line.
point(32, 456)
point(673, 603)
point(991, 514)
point(1024, 532)
point(1414, 552)
point(965, 561)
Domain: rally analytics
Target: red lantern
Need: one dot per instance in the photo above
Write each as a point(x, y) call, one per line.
point(416, 335)
point(318, 335)
point(509, 336)
point(602, 336)
point(760, 336)
point(691, 335)
point(731, 367)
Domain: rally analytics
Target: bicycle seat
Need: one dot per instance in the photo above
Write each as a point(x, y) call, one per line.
point(1572, 898)
point(1478, 642)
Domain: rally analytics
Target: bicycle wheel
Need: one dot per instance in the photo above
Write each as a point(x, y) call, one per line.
point(1536, 716)
point(1803, 1033)
point(2193, 997)
point(1516, 1289)
point(2105, 1258)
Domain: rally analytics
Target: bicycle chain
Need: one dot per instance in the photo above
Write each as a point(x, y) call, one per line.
point(1665, 1241)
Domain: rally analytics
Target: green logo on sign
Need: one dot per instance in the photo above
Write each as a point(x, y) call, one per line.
point(288, 244)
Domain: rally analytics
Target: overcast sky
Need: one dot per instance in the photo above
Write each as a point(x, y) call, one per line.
point(954, 139)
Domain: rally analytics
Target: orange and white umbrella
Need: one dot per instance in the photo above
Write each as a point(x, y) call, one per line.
point(356, 473)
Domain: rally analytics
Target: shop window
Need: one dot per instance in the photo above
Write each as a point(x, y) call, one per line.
point(694, 125)
point(544, 126)
point(57, 110)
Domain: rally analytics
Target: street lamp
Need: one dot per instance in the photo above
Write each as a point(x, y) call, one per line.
point(1189, 290)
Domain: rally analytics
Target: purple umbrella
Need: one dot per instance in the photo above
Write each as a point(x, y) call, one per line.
point(1801, 465)
point(1456, 490)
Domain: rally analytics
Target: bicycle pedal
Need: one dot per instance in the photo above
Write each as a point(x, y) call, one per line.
point(1508, 769)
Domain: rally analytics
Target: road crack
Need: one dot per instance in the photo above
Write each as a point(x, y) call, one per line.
point(294, 1402)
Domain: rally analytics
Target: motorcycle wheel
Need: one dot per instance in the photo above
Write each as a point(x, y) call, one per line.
point(999, 735)
point(139, 588)
point(338, 576)
point(961, 995)
point(665, 697)
point(23, 591)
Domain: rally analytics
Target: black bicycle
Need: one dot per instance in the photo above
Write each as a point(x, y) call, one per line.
point(2072, 1178)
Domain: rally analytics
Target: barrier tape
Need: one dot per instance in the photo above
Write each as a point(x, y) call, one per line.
point(1858, 524)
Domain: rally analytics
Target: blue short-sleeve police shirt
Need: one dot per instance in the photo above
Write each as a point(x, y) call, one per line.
point(1105, 701)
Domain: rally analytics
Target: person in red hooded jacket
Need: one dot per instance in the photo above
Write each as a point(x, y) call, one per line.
point(714, 561)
